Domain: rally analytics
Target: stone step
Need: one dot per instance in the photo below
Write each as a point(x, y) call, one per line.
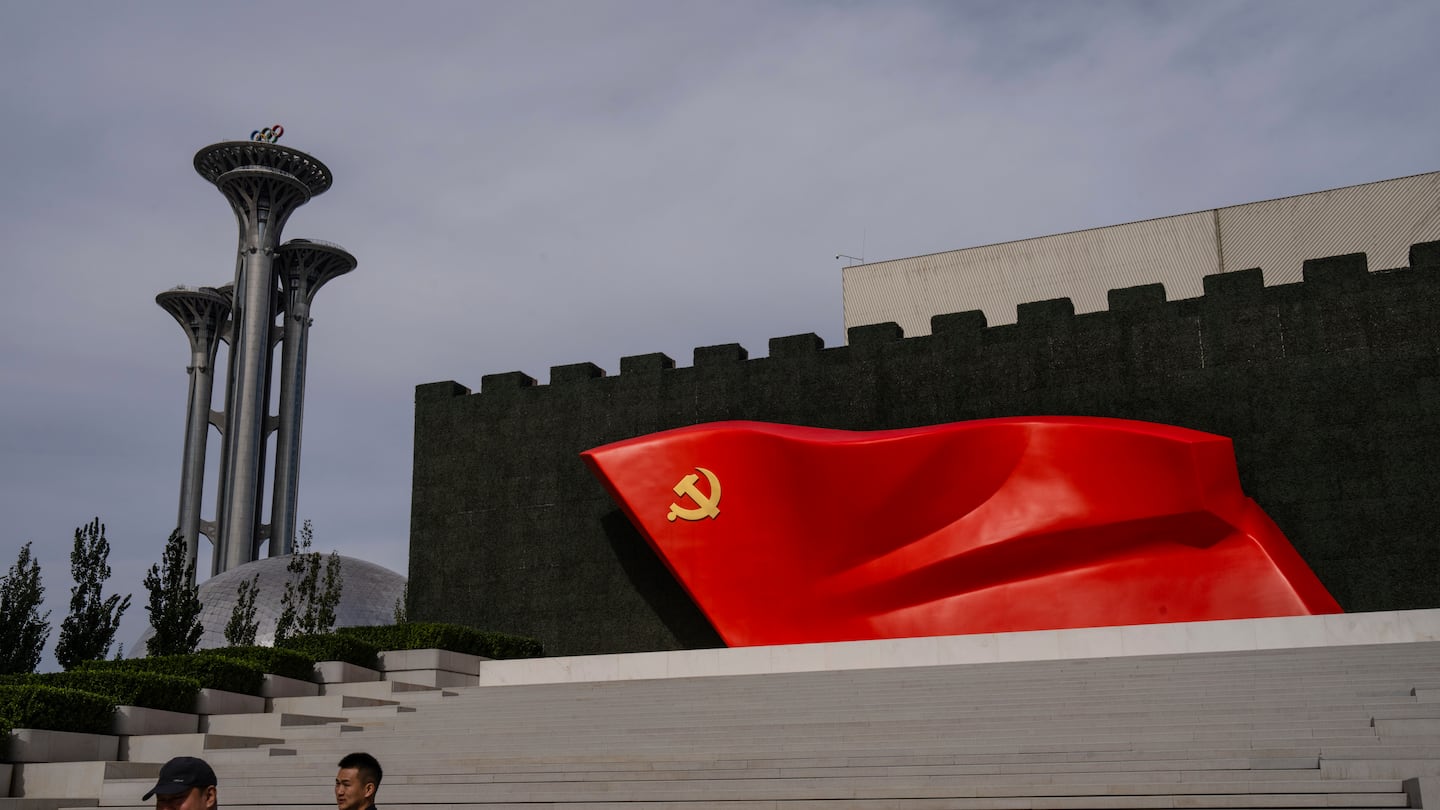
point(1379, 768)
point(1157, 802)
point(162, 747)
point(73, 780)
point(269, 724)
point(746, 787)
point(12, 803)
point(326, 705)
point(398, 691)
point(1297, 728)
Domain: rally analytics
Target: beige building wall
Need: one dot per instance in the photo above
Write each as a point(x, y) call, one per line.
point(1380, 219)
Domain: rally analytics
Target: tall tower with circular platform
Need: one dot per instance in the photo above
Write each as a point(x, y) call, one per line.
point(264, 183)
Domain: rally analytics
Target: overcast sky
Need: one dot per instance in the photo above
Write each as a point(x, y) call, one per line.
point(528, 184)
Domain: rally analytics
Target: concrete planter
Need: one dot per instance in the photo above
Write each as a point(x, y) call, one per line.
point(281, 686)
point(141, 720)
point(342, 672)
point(43, 745)
point(404, 660)
point(218, 701)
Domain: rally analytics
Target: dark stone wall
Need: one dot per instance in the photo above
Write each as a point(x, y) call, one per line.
point(1329, 388)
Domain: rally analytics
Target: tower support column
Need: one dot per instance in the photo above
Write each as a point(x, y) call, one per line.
point(305, 265)
point(201, 313)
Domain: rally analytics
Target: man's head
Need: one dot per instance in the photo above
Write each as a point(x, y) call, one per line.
point(357, 781)
point(185, 783)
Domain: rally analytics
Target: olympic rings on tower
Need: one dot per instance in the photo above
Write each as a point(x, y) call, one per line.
point(268, 134)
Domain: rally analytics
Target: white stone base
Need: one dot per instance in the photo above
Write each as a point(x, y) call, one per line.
point(161, 747)
point(392, 661)
point(140, 720)
point(281, 686)
point(218, 701)
point(441, 678)
point(342, 672)
point(43, 745)
point(1339, 629)
point(74, 780)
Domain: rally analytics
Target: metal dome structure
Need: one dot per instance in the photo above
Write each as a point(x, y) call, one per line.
point(367, 597)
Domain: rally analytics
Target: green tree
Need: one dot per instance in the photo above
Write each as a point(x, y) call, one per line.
point(86, 634)
point(23, 628)
point(241, 629)
point(174, 606)
point(309, 602)
point(401, 610)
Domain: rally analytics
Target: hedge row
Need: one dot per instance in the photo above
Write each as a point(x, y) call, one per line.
point(35, 705)
point(212, 671)
point(452, 637)
point(288, 663)
point(335, 647)
point(153, 690)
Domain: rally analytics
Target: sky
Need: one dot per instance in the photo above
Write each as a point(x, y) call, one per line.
point(539, 183)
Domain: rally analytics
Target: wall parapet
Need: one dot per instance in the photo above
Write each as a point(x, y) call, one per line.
point(1322, 278)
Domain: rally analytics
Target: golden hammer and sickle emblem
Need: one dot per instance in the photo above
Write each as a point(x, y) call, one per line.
point(709, 506)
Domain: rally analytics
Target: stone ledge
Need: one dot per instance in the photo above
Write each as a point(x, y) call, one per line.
point(439, 678)
point(132, 720)
point(161, 747)
point(44, 745)
point(218, 701)
point(74, 780)
point(343, 672)
point(1229, 635)
point(393, 661)
point(280, 686)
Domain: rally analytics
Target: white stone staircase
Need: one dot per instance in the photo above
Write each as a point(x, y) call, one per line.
point(1340, 712)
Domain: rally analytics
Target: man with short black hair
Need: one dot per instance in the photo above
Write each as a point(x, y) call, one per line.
point(357, 781)
point(185, 783)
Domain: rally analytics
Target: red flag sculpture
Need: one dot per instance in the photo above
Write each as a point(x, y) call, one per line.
point(786, 534)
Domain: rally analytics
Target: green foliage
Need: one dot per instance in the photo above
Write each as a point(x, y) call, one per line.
point(23, 629)
point(335, 647)
point(5, 728)
point(174, 606)
point(402, 612)
point(212, 671)
point(34, 705)
point(308, 604)
point(86, 634)
point(127, 688)
point(241, 629)
point(452, 637)
point(276, 661)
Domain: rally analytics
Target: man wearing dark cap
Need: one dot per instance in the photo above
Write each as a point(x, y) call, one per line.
point(185, 783)
point(356, 782)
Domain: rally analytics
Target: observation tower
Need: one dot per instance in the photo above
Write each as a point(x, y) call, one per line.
point(264, 184)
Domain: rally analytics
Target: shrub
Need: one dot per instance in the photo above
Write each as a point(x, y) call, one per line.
point(212, 671)
point(34, 705)
point(335, 647)
point(5, 728)
point(276, 661)
point(452, 637)
point(152, 690)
